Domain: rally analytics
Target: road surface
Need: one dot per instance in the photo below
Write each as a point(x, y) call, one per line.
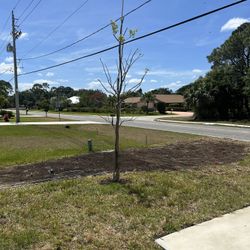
point(148, 122)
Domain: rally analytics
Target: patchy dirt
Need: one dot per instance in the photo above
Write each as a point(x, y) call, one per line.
point(171, 157)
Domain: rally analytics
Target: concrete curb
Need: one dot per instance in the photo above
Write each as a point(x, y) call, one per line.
point(204, 123)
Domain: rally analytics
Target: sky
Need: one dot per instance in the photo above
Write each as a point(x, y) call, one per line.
point(174, 58)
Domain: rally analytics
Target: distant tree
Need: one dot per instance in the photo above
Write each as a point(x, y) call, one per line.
point(224, 93)
point(162, 91)
point(27, 99)
point(234, 56)
point(40, 92)
point(3, 102)
point(148, 97)
point(5, 90)
point(45, 105)
point(92, 98)
point(64, 91)
point(184, 89)
point(137, 93)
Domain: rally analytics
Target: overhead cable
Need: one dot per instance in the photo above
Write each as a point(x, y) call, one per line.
point(32, 10)
point(86, 37)
point(136, 39)
point(58, 26)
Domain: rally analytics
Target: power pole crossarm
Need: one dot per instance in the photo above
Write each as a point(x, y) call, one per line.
point(15, 35)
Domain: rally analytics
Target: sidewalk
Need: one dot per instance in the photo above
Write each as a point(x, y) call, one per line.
point(229, 232)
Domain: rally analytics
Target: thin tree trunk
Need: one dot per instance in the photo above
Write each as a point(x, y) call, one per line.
point(116, 174)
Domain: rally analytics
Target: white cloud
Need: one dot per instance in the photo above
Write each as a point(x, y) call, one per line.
point(173, 85)
point(153, 81)
point(50, 74)
point(40, 81)
point(94, 85)
point(25, 86)
point(135, 80)
point(6, 68)
point(5, 36)
point(234, 23)
point(174, 73)
point(29, 85)
point(9, 59)
point(24, 36)
point(197, 71)
point(39, 74)
point(62, 80)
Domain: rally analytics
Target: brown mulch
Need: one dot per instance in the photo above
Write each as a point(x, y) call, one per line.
point(170, 157)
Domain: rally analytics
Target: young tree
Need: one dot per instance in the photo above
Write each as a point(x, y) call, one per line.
point(116, 88)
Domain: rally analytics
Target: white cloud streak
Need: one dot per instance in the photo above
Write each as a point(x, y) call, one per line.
point(234, 23)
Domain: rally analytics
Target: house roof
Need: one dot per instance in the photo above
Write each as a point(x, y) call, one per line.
point(132, 100)
point(160, 98)
point(170, 98)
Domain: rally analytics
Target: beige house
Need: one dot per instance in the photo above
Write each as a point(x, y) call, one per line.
point(168, 99)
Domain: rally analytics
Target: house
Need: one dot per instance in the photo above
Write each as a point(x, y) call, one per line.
point(168, 99)
point(74, 99)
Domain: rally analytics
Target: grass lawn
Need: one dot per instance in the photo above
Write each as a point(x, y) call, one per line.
point(27, 144)
point(84, 214)
point(35, 119)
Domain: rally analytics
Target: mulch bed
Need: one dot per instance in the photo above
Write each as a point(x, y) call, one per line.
point(170, 157)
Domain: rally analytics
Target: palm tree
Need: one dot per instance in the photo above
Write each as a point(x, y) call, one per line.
point(148, 97)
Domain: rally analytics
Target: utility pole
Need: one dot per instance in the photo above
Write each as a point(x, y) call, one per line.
point(15, 35)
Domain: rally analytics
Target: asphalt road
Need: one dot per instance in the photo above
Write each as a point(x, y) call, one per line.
point(148, 122)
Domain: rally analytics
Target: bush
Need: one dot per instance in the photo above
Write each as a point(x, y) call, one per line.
point(161, 107)
point(9, 113)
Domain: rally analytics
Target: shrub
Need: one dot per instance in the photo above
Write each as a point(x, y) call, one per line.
point(9, 113)
point(161, 107)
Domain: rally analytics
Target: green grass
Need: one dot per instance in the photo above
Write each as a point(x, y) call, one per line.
point(27, 144)
point(84, 214)
point(35, 119)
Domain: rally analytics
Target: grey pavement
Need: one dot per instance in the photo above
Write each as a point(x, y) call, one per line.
point(229, 232)
point(148, 122)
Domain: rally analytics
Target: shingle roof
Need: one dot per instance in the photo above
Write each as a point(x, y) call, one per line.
point(159, 98)
point(132, 100)
point(170, 98)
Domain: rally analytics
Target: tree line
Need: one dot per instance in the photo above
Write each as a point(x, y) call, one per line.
point(224, 92)
point(41, 96)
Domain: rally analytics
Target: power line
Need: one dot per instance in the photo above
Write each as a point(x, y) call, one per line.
point(138, 38)
point(5, 24)
point(6, 41)
point(7, 70)
point(33, 9)
point(59, 26)
point(28, 6)
point(88, 36)
point(16, 4)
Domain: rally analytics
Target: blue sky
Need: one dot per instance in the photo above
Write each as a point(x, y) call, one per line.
point(174, 58)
